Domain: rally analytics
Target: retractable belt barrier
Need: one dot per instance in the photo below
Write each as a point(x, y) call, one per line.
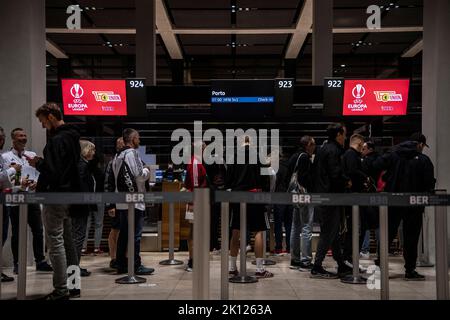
point(202, 201)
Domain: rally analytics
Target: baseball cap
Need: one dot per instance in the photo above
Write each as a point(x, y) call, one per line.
point(419, 137)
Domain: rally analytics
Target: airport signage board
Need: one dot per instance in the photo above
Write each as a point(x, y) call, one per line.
point(94, 97)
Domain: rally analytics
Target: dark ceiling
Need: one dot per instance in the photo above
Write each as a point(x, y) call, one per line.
point(255, 56)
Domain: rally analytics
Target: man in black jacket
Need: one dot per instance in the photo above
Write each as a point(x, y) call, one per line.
point(58, 173)
point(408, 171)
point(352, 167)
point(329, 178)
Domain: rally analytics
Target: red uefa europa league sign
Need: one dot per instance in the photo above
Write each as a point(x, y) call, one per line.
point(94, 97)
point(375, 97)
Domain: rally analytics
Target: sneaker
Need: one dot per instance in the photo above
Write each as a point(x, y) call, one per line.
point(344, 270)
point(16, 268)
point(233, 273)
point(277, 252)
point(84, 272)
point(187, 268)
point(248, 249)
point(414, 276)
point(321, 273)
point(98, 252)
point(295, 265)
point(6, 278)
point(364, 255)
point(57, 295)
point(305, 266)
point(329, 253)
point(143, 271)
point(74, 293)
point(350, 265)
point(113, 264)
point(84, 252)
point(44, 266)
point(215, 252)
point(263, 274)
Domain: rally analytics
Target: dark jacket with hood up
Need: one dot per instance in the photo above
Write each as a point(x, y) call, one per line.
point(408, 170)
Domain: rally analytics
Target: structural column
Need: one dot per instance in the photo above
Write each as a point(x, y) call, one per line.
point(146, 40)
point(436, 97)
point(22, 62)
point(322, 41)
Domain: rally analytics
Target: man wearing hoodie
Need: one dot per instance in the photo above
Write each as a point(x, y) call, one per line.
point(408, 171)
point(130, 176)
point(58, 173)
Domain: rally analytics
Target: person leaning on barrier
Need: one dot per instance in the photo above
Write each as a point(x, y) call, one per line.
point(408, 171)
point(5, 173)
point(352, 168)
point(302, 217)
point(130, 176)
point(58, 173)
point(329, 178)
point(79, 213)
point(115, 218)
point(17, 155)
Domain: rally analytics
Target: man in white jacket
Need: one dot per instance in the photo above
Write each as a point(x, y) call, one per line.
point(130, 176)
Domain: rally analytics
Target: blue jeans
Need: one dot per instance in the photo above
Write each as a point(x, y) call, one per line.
point(98, 225)
point(301, 234)
point(122, 242)
point(365, 248)
point(282, 214)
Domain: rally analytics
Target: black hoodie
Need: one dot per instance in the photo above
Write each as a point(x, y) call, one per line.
point(59, 167)
point(408, 170)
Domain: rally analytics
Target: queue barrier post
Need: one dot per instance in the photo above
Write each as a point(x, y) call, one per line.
point(440, 222)
point(171, 261)
point(355, 278)
point(224, 248)
point(201, 239)
point(243, 277)
point(131, 278)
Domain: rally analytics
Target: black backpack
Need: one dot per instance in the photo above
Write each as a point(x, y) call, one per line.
point(125, 181)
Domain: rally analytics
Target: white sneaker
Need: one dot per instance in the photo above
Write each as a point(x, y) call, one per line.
point(365, 256)
point(248, 248)
point(350, 265)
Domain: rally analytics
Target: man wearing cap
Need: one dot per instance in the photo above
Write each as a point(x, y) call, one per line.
point(408, 170)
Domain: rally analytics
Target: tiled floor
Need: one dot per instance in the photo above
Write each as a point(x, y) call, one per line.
point(172, 282)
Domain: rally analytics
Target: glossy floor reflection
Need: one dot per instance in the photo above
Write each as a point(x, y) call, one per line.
point(172, 282)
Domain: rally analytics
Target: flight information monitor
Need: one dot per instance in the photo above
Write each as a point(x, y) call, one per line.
point(250, 99)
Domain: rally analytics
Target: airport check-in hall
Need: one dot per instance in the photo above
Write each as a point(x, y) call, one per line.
point(223, 150)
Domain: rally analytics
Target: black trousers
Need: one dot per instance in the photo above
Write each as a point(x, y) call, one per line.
point(79, 226)
point(35, 223)
point(330, 223)
point(214, 224)
point(412, 225)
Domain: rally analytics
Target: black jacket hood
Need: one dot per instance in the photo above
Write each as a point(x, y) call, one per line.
point(407, 150)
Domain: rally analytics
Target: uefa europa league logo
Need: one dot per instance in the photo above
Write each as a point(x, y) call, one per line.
point(359, 91)
point(76, 91)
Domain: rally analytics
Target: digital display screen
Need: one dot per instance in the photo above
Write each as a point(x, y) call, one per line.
point(242, 98)
point(375, 97)
point(94, 97)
